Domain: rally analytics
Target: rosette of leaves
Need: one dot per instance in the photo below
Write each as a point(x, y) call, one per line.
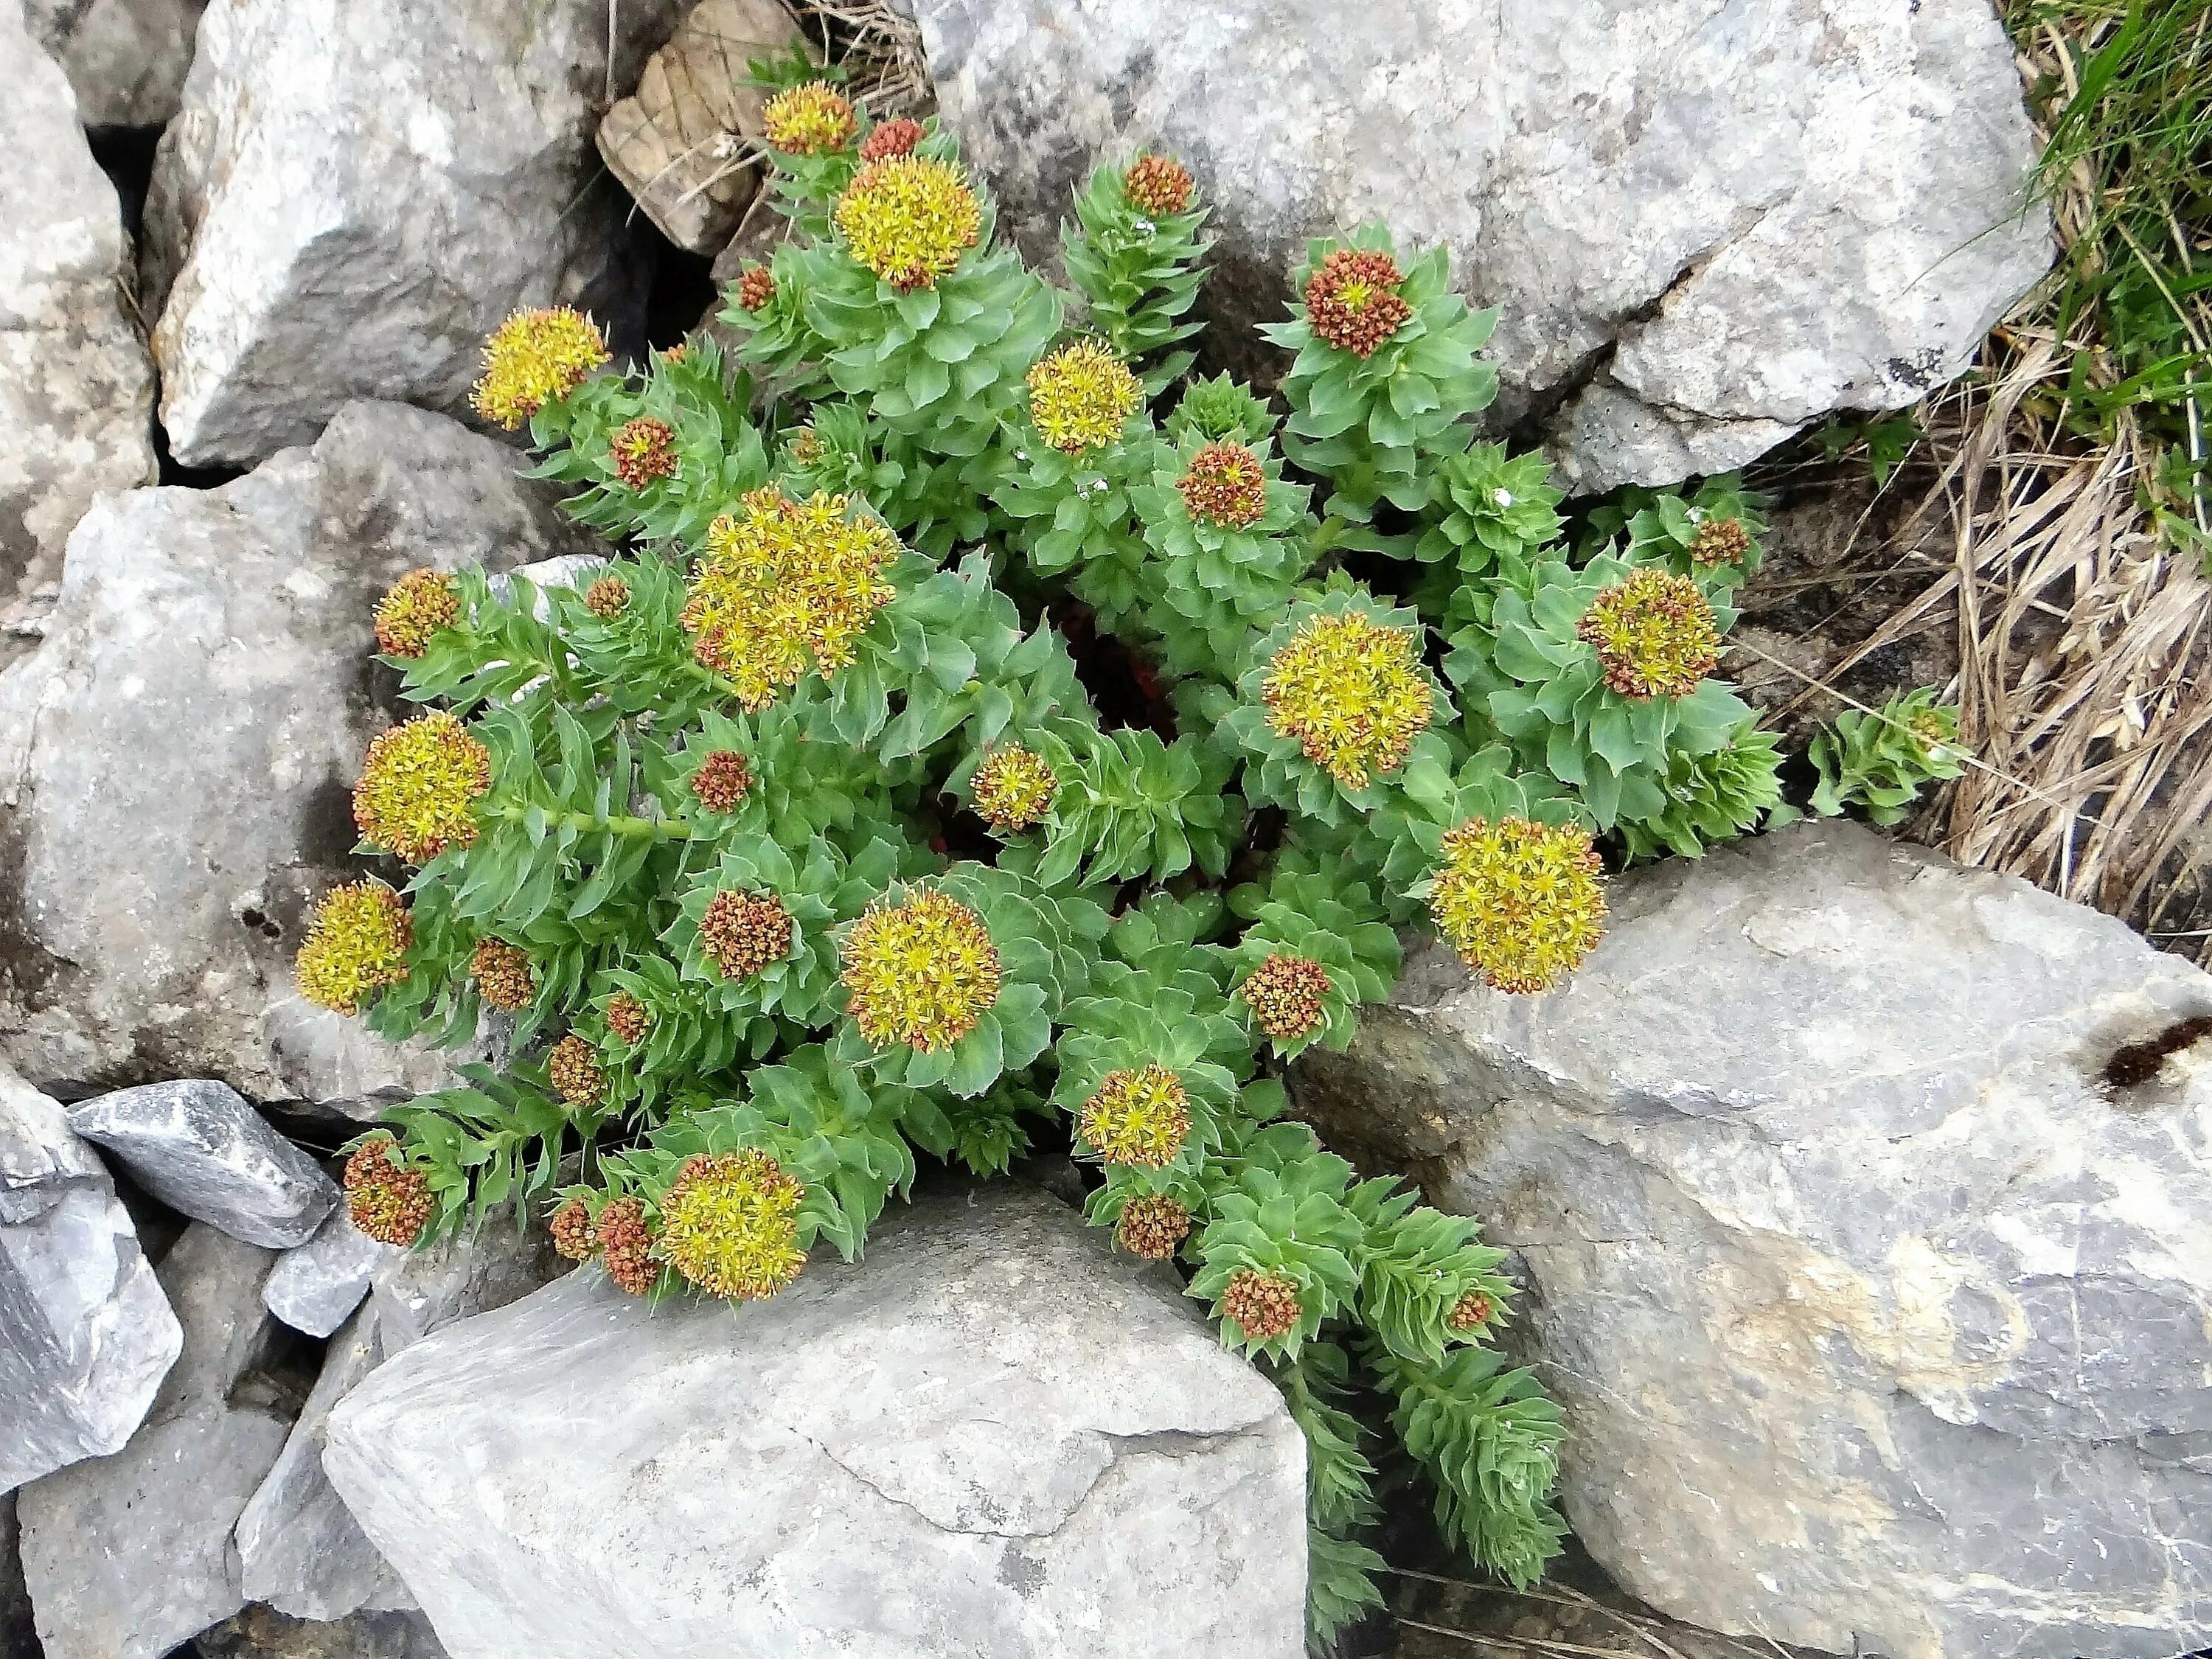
point(1542, 685)
point(1281, 1215)
point(1325, 919)
point(1879, 762)
point(1219, 409)
point(1485, 505)
point(1339, 1489)
point(1368, 423)
point(1417, 1268)
point(1184, 1028)
point(798, 786)
point(987, 1132)
point(1130, 805)
point(779, 342)
point(1078, 512)
point(1138, 271)
point(1711, 798)
point(1713, 536)
point(934, 505)
point(497, 650)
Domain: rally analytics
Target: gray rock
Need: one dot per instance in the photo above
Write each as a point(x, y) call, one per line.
point(85, 1334)
point(175, 759)
point(355, 232)
point(129, 1555)
point(205, 1153)
point(264, 1633)
point(301, 1549)
point(126, 58)
point(18, 1639)
point(314, 1287)
point(992, 1439)
point(76, 388)
point(1879, 1315)
point(1704, 226)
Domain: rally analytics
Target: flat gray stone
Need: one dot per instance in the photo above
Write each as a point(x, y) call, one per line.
point(86, 1334)
point(1706, 225)
point(993, 1438)
point(126, 58)
point(129, 1555)
point(153, 918)
point(316, 1286)
point(264, 1633)
point(199, 1148)
point(1879, 1308)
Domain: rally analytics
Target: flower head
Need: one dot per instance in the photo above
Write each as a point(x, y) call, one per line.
point(413, 610)
point(1081, 396)
point(1152, 1226)
point(419, 784)
point(1353, 300)
point(1013, 789)
point(571, 1227)
point(908, 219)
point(724, 779)
point(629, 1019)
point(1139, 1117)
point(388, 1201)
point(535, 358)
point(1264, 1306)
point(1720, 541)
point(1472, 1312)
point(1224, 485)
point(504, 977)
point(814, 119)
point(785, 586)
point(1350, 693)
point(676, 353)
point(574, 1070)
point(1158, 185)
point(806, 447)
point(730, 1224)
point(626, 1245)
point(1933, 727)
point(897, 137)
point(1655, 633)
point(921, 972)
point(756, 289)
point(1520, 902)
point(741, 933)
point(607, 597)
point(1285, 994)
point(357, 945)
point(643, 450)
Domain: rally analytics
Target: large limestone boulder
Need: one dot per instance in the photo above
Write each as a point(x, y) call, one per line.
point(1865, 1243)
point(85, 1334)
point(175, 759)
point(76, 389)
point(993, 1438)
point(126, 58)
point(352, 197)
point(129, 1555)
point(1706, 226)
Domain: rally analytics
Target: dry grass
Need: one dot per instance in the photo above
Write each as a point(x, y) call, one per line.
point(879, 51)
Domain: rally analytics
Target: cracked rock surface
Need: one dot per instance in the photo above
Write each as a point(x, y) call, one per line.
point(993, 1438)
point(1873, 1286)
point(1706, 223)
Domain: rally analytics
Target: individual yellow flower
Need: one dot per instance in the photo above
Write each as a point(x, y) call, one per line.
point(1285, 994)
point(535, 358)
point(785, 586)
point(922, 971)
point(412, 612)
point(357, 945)
point(1520, 902)
point(1081, 396)
point(1140, 1117)
point(908, 218)
point(1353, 300)
point(1013, 789)
point(730, 1224)
point(1655, 634)
point(1351, 694)
point(814, 119)
point(419, 785)
point(642, 450)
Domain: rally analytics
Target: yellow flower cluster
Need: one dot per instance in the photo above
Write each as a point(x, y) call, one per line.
point(1264, 1306)
point(730, 1224)
point(1351, 694)
point(642, 450)
point(357, 945)
point(923, 972)
point(785, 586)
point(814, 119)
point(1013, 789)
point(1520, 902)
point(1225, 485)
point(1081, 396)
point(1655, 634)
point(1284, 994)
point(1139, 1117)
point(419, 785)
point(908, 219)
point(535, 358)
point(385, 1199)
point(413, 610)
